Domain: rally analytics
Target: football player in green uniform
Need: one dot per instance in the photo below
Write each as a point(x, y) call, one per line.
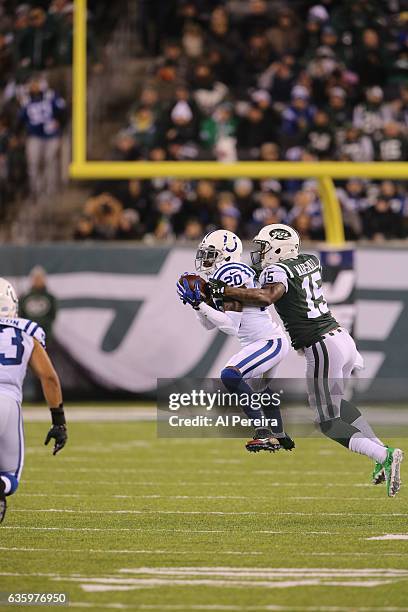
point(292, 282)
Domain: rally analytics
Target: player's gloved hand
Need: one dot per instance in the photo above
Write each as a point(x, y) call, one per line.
point(189, 296)
point(58, 431)
point(216, 289)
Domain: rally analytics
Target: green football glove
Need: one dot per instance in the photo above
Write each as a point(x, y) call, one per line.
point(216, 289)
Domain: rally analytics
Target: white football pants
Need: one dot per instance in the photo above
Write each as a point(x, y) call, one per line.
point(329, 363)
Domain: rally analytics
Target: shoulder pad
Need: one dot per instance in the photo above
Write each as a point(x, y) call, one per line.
point(234, 274)
point(274, 274)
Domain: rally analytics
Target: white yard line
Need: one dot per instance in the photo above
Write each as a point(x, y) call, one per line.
point(77, 481)
point(159, 470)
point(209, 497)
point(143, 529)
point(236, 608)
point(208, 512)
point(124, 551)
point(390, 536)
point(176, 552)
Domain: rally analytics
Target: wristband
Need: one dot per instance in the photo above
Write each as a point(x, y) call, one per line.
point(58, 416)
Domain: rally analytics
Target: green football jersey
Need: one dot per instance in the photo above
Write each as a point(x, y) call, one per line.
point(302, 308)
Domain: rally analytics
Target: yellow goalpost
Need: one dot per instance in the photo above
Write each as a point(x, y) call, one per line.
point(324, 172)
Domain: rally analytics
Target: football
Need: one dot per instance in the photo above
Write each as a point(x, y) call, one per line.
point(191, 279)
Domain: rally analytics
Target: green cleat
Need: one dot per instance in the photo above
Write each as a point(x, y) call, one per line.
point(392, 470)
point(378, 474)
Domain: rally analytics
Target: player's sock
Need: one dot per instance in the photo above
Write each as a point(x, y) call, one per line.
point(234, 382)
point(366, 446)
point(362, 425)
point(3, 501)
point(10, 482)
point(273, 414)
point(351, 414)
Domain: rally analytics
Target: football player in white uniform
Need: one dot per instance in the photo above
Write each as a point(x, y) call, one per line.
point(263, 342)
point(292, 281)
point(22, 343)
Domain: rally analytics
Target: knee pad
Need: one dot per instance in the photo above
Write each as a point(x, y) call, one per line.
point(10, 481)
point(231, 377)
point(338, 430)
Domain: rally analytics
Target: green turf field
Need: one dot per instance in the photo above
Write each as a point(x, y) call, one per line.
point(120, 519)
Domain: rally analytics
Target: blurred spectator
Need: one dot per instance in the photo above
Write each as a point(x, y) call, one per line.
point(371, 60)
point(254, 129)
point(37, 43)
point(286, 34)
point(306, 203)
point(193, 230)
point(392, 145)
point(320, 138)
point(126, 147)
point(216, 129)
point(297, 118)
point(381, 221)
point(337, 108)
point(129, 227)
point(356, 146)
point(268, 211)
point(143, 127)
point(43, 116)
point(370, 116)
point(155, 16)
point(38, 304)
point(279, 78)
point(104, 212)
point(208, 92)
point(6, 57)
point(353, 196)
point(243, 191)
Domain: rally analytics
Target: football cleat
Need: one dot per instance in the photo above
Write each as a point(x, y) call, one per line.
point(378, 474)
point(263, 440)
point(3, 502)
point(392, 469)
point(286, 442)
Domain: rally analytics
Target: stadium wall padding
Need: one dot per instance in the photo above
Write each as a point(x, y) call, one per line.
point(121, 323)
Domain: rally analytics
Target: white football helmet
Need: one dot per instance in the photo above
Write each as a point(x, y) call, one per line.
point(274, 243)
point(216, 248)
point(8, 299)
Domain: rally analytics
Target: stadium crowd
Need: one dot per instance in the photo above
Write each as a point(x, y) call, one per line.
point(262, 80)
point(35, 55)
point(227, 80)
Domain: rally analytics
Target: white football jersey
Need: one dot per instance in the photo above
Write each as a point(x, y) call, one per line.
point(256, 323)
point(16, 347)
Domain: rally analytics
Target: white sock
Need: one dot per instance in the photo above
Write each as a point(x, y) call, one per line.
point(7, 483)
point(365, 446)
point(362, 425)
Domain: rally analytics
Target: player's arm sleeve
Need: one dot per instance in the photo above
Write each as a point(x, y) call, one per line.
point(205, 322)
point(274, 274)
point(227, 322)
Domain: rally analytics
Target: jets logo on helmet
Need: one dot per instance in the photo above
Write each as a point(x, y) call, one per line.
point(275, 243)
point(8, 299)
point(216, 248)
point(280, 234)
